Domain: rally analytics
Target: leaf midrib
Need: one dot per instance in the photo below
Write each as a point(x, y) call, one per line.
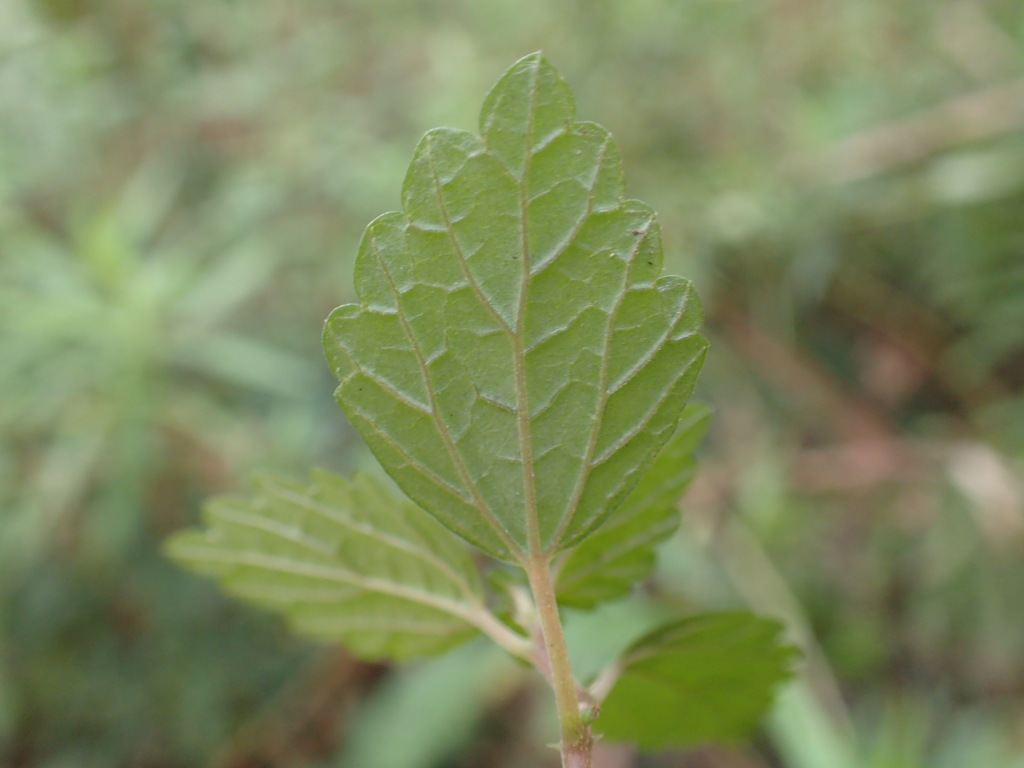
point(525, 418)
point(519, 355)
point(278, 564)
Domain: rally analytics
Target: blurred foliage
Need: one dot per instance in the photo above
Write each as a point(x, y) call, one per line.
point(182, 186)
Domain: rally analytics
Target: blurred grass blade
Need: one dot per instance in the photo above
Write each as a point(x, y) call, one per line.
point(436, 707)
point(804, 733)
point(245, 362)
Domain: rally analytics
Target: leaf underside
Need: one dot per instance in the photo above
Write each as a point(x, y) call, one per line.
point(609, 562)
point(516, 359)
point(343, 560)
point(707, 678)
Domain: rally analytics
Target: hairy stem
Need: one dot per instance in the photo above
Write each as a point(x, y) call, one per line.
point(576, 740)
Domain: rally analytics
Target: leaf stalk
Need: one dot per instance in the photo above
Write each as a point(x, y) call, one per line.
point(577, 741)
point(513, 643)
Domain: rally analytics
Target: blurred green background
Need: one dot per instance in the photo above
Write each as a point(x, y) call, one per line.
point(182, 187)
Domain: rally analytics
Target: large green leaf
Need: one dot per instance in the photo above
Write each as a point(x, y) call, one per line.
point(611, 560)
point(516, 359)
point(705, 678)
point(343, 560)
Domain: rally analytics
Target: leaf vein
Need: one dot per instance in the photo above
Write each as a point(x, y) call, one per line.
point(287, 566)
point(588, 463)
point(442, 428)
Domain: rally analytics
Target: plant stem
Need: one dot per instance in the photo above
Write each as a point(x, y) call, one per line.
point(577, 742)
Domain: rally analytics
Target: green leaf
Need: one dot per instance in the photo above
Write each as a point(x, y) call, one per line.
point(516, 359)
point(705, 678)
point(620, 553)
point(343, 560)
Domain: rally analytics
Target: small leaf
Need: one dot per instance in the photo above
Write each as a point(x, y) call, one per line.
point(516, 359)
point(705, 678)
point(620, 553)
point(343, 560)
